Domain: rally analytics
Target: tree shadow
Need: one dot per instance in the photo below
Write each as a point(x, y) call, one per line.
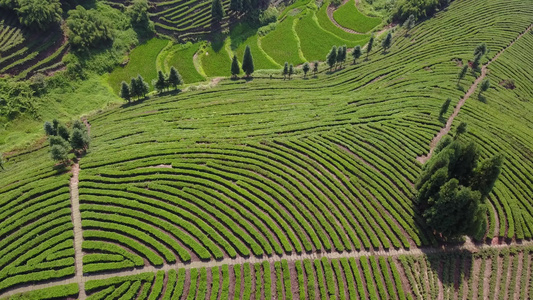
point(452, 268)
point(481, 98)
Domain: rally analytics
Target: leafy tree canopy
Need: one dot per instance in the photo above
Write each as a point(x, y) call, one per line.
point(87, 28)
point(39, 14)
point(453, 186)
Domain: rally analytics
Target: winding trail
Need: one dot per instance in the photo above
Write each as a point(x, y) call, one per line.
point(81, 278)
point(331, 9)
point(424, 158)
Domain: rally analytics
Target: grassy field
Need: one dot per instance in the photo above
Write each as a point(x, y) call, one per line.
point(181, 57)
point(288, 189)
point(282, 44)
point(141, 61)
point(215, 59)
point(349, 16)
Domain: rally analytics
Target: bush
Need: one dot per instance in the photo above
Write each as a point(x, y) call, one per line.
point(39, 14)
point(87, 28)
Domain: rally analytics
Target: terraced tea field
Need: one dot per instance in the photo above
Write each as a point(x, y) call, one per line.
point(296, 189)
point(23, 53)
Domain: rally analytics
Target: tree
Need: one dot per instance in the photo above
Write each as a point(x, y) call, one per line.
point(39, 14)
point(125, 91)
point(485, 85)
point(235, 69)
point(62, 131)
point(315, 67)
point(79, 125)
point(306, 69)
point(369, 45)
point(161, 82)
point(235, 5)
point(480, 49)
point(445, 106)
point(217, 10)
point(291, 71)
point(452, 189)
point(174, 78)
point(462, 73)
point(387, 42)
point(135, 90)
point(332, 57)
point(476, 62)
point(87, 28)
point(285, 70)
point(59, 153)
point(248, 62)
point(409, 23)
point(460, 129)
point(143, 87)
point(49, 129)
point(341, 54)
point(356, 53)
point(247, 6)
point(79, 140)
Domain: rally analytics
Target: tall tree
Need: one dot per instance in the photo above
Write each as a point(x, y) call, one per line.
point(49, 129)
point(356, 53)
point(409, 23)
point(291, 71)
point(285, 70)
point(125, 91)
point(306, 69)
point(462, 73)
point(135, 90)
point(460, 129)
point(332, 57)
point(247, 6)
point(315, 68)
point(248, 62)
point(217, 10)
point(144, 88)
point(235, 69)
point(235, 5)
point(79, 140)
point(62, 131)
point(369, 45)
point(59, 153)
point(387, 42)
point(476, 62)
point(445, 106)
point(485, 85)
point(39, 14)
point(480, 49)
point(161, 82)
point(174, 78)
point(486, 174)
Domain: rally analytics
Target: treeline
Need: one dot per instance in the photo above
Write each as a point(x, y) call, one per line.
point(62, 141)
point(139, 88)
point(420, 9)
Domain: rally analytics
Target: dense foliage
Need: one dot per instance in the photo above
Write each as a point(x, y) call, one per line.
point(87, 28)
point(453, 187)
point(420, 9)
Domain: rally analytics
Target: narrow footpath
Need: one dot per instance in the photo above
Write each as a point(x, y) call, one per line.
point(444, 131)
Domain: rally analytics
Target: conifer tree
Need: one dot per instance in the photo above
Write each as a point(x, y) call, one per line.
point(387, 42)
point(315, 68)
point(143, 87)
point(285, 70)
point(291, 71)
point(369, 45)
point(161, 82)
point(306, 68)
point(125, 91)
point(485, 85)
point(235, 69)
point(248, 62)
point(217, 10)
point(462, 73)
point(445, 107)
point(174, 78)
point(356, 53)
point(134, 88)
point(332, 57)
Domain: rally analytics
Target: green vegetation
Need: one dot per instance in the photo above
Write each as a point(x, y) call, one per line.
point(349, 16)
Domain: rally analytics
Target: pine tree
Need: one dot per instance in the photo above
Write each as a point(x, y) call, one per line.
point(315, 68)
point(387, 42)
point(285, 70)
point(460, 129)
point(409, 23)
point(235, 5)
point(356, 53)
point(485, 85)
point(332, 57)
point(445, 107)
point(125, 91)
point(49, 129)
point(134, 88)
point(462, 73)
point(217, 10)
point(235, 69)
point(248, 62)
point(174, 78)
point(339, 55)
point(161, 82)
point(143, 87)
point(291, 71)
point(369, 45)
point(306, 68)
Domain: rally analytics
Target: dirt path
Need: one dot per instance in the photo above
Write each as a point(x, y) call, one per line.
point(78, 237)
point(331, 10)
point(422, 159)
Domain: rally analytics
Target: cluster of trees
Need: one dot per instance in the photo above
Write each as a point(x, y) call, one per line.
point(454, 185)
point(248, 5)
point(137, 88)
point(165, 81)
point(62, 142)
point(417, 8)
point(480, 51)
point(247, 64)
point(35, 14)
point(87, 28)
point(336, 56)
